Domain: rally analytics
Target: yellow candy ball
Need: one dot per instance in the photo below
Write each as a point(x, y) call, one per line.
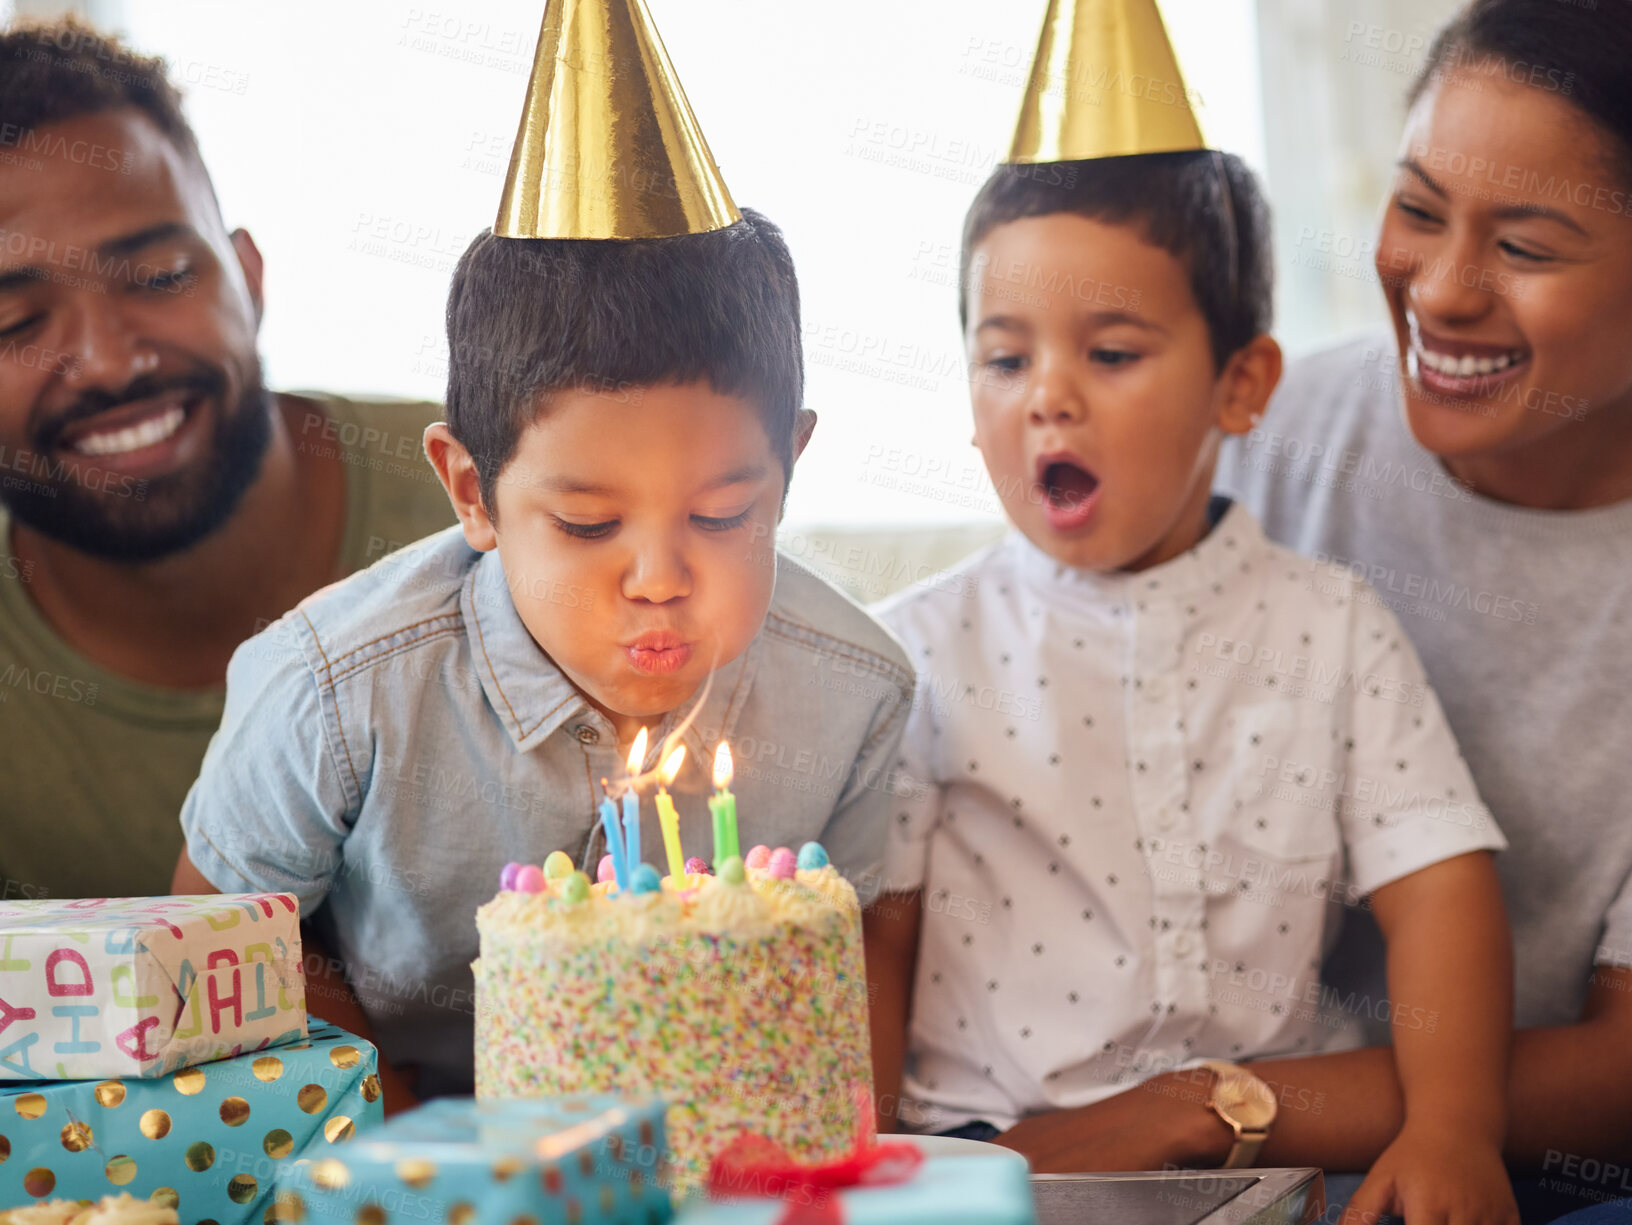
point(557, 864)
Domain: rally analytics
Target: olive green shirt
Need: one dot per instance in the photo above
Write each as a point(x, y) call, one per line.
point(94, 767)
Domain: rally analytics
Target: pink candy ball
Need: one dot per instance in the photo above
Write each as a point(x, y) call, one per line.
point(759, 857)
point(605, 872)
point(783, 863)
point(507, 878)
point(696, 867)
point(530, 878)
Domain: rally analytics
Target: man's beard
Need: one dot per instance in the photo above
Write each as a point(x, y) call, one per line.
point(144, 520)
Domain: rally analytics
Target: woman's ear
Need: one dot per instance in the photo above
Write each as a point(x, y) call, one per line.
point(457, 472)
point(1248, 380)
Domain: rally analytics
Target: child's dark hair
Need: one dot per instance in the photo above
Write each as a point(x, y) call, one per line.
point(532, 316)
point(60, 70)
point(1204, 208)
point(1579, 51)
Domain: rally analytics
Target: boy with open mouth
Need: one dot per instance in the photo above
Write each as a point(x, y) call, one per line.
point(1131, 863)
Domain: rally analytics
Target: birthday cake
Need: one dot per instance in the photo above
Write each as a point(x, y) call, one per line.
point(739, 998)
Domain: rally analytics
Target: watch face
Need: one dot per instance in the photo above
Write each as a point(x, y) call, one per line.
point(1245, 1100)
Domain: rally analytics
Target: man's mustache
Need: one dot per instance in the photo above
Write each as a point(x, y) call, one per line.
point(94, 402)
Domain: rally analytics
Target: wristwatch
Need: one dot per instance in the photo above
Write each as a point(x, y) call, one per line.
point(1247, 1104)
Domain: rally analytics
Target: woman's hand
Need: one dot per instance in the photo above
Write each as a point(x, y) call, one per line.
point(1431, 1177)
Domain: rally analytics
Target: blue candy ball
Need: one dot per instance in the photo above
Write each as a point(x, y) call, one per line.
point(812, 855)
point(644, 879)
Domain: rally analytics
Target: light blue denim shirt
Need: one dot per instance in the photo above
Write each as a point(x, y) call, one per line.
point(396, 739)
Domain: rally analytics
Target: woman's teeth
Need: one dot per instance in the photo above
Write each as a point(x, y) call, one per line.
point(133, 437)
point(1467, 366)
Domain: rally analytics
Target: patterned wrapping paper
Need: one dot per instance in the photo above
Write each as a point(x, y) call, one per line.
point(208, 1140)
point(98, 988)
point(584, 1161)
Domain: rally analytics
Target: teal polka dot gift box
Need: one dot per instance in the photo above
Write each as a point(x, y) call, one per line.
point(592, 1160)
point(209, 1141)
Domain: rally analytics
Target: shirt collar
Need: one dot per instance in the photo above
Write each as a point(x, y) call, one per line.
point(1234, 540)
point(529, 693)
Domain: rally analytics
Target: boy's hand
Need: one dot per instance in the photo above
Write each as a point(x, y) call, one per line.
point(1431, 1178)
point(1157, 1125)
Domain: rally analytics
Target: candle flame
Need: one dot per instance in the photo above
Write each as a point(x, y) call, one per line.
point(671, 766)
point(637, 752)
point(722, 765)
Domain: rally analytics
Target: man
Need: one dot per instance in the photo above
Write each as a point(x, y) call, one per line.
point(158, 505)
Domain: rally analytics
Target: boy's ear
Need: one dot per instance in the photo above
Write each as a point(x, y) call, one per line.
point(1248, 379)
point(804, 425)
point(457, 472)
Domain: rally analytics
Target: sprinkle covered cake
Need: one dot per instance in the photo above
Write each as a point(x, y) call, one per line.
point(739, 998)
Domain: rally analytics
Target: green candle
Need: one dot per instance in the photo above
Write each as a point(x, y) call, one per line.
point(723, 806)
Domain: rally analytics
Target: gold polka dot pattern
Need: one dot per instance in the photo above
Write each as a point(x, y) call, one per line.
point(200, 1156)
point(235, 1112)
point(166, 1197)
point(242, 1188)
point(278, 1143)
point(312, 1098)
point(417, 1173)
point(110, 1093)
point(345, 1056)
point(189, 1081)
point(39, 1182)
point(371, 1214)
point(31, 1105)
point(76, 1137)
point(155, 1124)
point(338, 1129)
point(268, 1068)
point(120, 1170)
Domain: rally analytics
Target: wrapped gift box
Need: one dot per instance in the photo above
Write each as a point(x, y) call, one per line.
point(572, 1161)
point(109, 988)
point(943, 1191)
point(207, 1140)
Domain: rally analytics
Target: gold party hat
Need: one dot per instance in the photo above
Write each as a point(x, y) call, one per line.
point(1105, 83)
point(608, 146)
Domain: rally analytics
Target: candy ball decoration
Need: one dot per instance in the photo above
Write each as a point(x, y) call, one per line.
point(783, 863)
point(507, 877)
point(812, 855)
point(606, 871)
point(529, 879)
point(759, 858)
point(732, 872)
point(644, 879)
point(575, 889)
point(696, 866)
point(557, 865)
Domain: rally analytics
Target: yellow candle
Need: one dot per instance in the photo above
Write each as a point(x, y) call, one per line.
point(668, 819)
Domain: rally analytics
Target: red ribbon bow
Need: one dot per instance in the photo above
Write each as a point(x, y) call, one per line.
point(755, 1165)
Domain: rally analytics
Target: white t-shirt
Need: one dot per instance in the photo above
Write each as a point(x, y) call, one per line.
point(1523, 619)
point(1137, 805)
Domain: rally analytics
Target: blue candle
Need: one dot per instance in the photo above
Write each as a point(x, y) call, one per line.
point(614, 843)
point(631, 831)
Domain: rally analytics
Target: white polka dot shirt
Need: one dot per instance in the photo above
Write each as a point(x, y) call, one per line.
point(1138, 806)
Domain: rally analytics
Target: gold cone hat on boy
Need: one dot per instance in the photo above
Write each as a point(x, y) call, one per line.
point(1105, 83)
point(608, 146)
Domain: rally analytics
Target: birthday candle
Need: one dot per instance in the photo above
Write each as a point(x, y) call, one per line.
point(723, 806)
point(668, 818)
point(614, 841)
point(631, 805)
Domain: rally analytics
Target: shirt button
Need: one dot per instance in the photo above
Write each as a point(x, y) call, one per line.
point(1182, 944)
point(587, 734)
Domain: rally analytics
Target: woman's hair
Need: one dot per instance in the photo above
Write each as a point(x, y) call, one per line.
point(1578, 49)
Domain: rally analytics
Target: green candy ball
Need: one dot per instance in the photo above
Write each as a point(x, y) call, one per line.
point(732, 872)
point(576, 889)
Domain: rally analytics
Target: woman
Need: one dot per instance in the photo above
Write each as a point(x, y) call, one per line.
point(1479, 472)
